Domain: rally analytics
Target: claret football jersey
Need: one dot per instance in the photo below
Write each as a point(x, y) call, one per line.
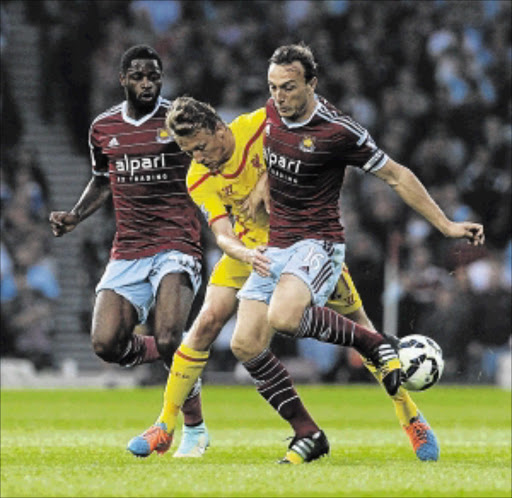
point(220, 194)
point(306, 163)
point(147, 173)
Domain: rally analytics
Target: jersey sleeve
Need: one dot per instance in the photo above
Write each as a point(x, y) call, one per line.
point(357, 147)
point(201, 185)
point(99, 161)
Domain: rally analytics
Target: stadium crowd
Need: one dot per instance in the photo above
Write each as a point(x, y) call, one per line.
point(429, 79)
point(29, 287)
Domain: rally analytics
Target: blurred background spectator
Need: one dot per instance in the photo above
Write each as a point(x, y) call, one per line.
point(29, 281)
point(430, 79)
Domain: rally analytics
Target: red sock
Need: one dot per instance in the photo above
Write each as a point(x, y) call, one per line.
point(151, 352)
point(140, 349)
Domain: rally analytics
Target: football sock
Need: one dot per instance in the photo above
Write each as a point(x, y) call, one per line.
point(192, 408)
point(405, 407)
point(140, 349)
point(327, 325)
point(186, 368)
point(275, 385)
point(151, 353)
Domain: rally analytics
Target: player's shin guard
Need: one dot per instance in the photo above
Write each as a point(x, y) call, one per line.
point(275, 385)
point(186, 368)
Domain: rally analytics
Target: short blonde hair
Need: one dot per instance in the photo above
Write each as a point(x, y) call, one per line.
point(187, 115)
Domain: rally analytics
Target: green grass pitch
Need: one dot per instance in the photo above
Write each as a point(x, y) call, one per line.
point(72, 443)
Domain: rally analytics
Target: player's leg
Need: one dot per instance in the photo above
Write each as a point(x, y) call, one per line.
point(421, 436)
point(175, 280)
point(114, 319)
point(187, 365)
point(189, 361)
point(313, 269)
point(250, 345)
point(173, 303)
point(123, 299)
point(172, 308)
point(347, 301)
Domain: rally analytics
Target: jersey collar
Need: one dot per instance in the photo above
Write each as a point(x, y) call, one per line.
point(142, 120)
point(295, 124)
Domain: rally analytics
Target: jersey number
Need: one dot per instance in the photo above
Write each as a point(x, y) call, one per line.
point(314, 259)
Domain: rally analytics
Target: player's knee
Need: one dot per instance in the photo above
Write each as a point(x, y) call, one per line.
point(284, 321)
point(244, 349)
point(209, 324)
point(167, 341)
point(108, 350)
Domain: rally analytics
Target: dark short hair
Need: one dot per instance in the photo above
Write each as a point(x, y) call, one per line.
point(286, 54)
point(139, 52)
point(188, 115)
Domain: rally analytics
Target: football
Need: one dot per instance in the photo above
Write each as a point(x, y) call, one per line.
point(422, 362)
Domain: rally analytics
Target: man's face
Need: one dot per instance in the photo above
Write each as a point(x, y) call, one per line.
point(205, 147)
point(142, 83)
point(292, 95)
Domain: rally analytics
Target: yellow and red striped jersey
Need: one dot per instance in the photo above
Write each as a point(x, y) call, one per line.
point(220, 194)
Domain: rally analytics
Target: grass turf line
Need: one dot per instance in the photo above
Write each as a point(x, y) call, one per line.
point(72, 443)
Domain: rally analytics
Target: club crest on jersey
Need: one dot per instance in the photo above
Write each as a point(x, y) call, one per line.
point(256, 162)
point(163, 136)
point(307, 144)
point(228, 190)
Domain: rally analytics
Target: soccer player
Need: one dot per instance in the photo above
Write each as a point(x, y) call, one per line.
point(308, 144)
point(156, 254)
point(227, 166)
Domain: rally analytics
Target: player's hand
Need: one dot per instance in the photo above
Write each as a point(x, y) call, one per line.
point(474, 232)
point(259, 261)
point(63, 222)
point(252, 204)
point(258, 198)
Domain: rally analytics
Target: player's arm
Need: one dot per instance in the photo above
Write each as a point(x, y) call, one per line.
point(407, 185)
point(234, 247)
point(94, 195)
point(258, 198)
